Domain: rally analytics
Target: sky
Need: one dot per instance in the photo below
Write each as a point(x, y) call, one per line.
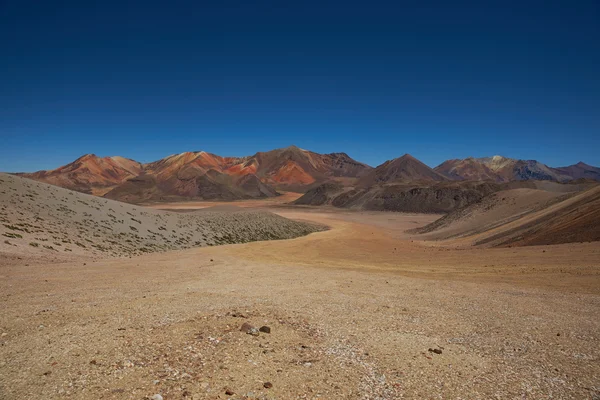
point(374, 79)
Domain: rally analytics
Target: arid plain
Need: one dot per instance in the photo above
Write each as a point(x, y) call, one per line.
point(363, 310)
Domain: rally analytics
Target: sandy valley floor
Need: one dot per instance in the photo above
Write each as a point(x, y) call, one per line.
point(355, 313)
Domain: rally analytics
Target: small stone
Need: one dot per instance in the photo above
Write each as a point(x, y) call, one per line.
point(156, 382)
point(4, 334)
point(558, 334)
point(229, 392)
point(268, 385)
point(156, 397)
point(249, 329)
point(265, 329)
point(436, 351)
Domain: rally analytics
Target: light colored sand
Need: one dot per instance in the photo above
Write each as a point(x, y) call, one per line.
point(353, 312)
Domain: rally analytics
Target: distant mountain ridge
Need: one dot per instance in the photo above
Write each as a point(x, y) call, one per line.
point(503, 169)
point(203, 175)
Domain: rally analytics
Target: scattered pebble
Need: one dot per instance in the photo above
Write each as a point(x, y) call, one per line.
point(268, 385)
point(265, 329)
point(156, 397)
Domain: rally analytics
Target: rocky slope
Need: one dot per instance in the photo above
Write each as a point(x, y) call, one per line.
point(42, 220)
point(402, 169)
point(436, 197)
point(523, 217)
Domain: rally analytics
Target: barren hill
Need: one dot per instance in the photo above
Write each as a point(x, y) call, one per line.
point(523, 217)
point(581, 171)
point(402, 169)
point(434, 197)
point(90, 173)
point(47, 221)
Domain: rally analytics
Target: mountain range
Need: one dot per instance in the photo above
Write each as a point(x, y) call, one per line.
point(202, 175)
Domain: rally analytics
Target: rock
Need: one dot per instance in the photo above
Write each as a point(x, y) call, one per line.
point(265, 329)
point(4, 334)
point(156, 397)
point(436, 351)
point(249, 329)
point(268, 385)
point(229, 392)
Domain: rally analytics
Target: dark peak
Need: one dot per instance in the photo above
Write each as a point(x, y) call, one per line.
point(341, 154)
point(406, 158)
point(581, 164)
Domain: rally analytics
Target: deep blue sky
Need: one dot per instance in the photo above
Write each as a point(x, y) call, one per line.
point(437, 79)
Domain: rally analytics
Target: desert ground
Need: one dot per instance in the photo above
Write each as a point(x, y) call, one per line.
point(363, 310)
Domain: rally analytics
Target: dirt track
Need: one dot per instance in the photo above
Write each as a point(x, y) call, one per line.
point(353, 312)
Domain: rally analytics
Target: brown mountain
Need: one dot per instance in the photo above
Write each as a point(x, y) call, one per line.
point(501, 169)
point(402, 169)
point(469, 169)
point(581, 171)
point(203, 175)
point(90, 173)
point(296, 169)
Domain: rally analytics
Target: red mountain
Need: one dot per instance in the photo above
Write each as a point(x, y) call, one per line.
point(90, 173)
point(203, 175)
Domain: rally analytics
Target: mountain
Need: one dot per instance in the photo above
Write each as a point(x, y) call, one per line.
point(295, 168)
point(500, 169)
point(90, 174)
point(202, 175)
point(402, 169)
point(469, 169)
point(581, 171)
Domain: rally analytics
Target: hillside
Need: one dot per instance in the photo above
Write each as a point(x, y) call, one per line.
point(436, 197)
point(402, 169)
point(42, 220)
point(90, 173)
point(522, 217)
